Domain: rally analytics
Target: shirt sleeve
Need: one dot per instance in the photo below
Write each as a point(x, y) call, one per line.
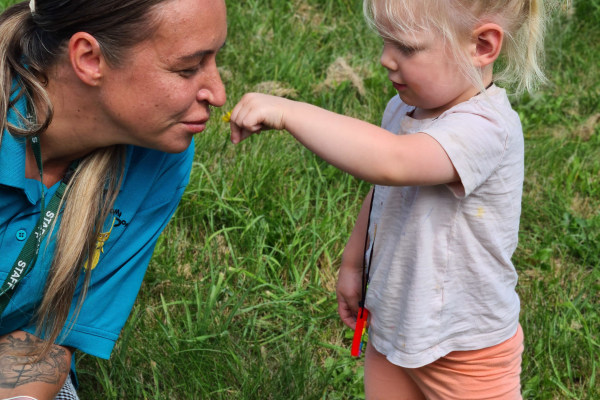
point(475, 141)
point(153, 186)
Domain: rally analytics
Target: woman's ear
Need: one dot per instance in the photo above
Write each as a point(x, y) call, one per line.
point(86, 58)
point(487, 41)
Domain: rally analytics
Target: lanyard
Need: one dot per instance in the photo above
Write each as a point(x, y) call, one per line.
point(359, 339)
point(28, 256)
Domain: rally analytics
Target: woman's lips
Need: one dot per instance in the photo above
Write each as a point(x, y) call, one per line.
point(195, 126)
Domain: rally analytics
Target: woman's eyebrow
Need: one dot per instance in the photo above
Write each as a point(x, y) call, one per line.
point(199, 54)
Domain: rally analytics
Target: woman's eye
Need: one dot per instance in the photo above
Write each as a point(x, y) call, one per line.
point(188, 72)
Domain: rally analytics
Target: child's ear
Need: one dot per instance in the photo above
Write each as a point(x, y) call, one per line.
point(487, 43)
point(86, 58)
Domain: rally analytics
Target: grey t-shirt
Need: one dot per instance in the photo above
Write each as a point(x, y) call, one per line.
point(442, 278)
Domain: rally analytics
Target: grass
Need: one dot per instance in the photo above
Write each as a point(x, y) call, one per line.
point(559, 254)
point(238, 301)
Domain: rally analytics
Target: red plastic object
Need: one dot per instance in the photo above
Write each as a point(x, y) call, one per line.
point(359, 332)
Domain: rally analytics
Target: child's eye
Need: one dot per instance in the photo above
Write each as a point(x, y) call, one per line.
point(406, 50)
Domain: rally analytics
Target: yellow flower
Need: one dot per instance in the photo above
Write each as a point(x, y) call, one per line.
point(226, 117)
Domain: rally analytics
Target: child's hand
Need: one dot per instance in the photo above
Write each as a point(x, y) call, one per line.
point(255, 113)
point(348, 293)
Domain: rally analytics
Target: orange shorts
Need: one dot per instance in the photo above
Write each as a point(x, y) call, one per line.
point(490, 373)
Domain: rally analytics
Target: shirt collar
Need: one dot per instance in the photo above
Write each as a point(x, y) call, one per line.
point(12, 152)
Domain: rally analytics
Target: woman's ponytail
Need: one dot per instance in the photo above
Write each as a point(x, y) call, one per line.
point(20, 75)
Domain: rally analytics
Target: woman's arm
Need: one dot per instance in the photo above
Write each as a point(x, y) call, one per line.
point(23, 374)
point(357, 147)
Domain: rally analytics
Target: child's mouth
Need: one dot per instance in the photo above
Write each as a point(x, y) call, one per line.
point(400, 86)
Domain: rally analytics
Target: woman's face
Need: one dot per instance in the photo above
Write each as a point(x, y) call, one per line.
point(160, 96)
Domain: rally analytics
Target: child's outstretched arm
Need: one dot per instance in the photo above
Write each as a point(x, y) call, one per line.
point(357, 147)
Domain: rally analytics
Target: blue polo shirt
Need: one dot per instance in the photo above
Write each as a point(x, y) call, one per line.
point(152, 186)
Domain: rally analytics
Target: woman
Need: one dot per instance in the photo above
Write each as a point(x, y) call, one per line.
point(100, 99)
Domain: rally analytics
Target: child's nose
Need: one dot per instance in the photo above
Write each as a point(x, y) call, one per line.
point(387, 59)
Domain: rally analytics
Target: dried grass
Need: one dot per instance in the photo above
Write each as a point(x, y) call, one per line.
point(338, 72)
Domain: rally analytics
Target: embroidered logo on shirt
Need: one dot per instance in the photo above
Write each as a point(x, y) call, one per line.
point(103, 237)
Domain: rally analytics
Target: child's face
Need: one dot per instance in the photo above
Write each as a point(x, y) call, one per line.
point(425, 73)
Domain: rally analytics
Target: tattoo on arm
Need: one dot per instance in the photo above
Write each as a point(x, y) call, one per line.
point(19, 363)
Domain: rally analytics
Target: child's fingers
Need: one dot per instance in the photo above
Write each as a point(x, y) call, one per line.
point(239, 133)
point(256, 109)
point(248, 117)
point(243, 123)
point(348, 293)
point(346, 312)
point(246, 113)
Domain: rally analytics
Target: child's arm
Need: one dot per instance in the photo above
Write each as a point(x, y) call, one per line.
point(349, 285)
point(357, 147)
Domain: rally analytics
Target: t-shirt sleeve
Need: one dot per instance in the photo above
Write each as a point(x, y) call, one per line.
point(475, 141)
point(152, 188)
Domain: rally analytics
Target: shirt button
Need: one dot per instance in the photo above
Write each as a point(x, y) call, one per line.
point(21, 235)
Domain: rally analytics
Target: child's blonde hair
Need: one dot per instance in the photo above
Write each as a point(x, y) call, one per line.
point(523, 22)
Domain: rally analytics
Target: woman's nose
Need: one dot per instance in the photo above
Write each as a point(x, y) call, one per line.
point(212, 89)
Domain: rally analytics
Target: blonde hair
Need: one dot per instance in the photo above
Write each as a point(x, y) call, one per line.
point(30, 43)
point(523, 22)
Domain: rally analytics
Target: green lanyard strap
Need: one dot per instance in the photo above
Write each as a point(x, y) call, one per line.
point(28, 256)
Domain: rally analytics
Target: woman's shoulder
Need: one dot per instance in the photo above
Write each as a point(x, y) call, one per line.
point(152, 161)
point(155, 172)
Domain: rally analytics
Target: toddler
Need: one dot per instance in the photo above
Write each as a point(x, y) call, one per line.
point(441, 223)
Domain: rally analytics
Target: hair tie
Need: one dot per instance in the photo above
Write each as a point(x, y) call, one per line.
point(32, 6)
